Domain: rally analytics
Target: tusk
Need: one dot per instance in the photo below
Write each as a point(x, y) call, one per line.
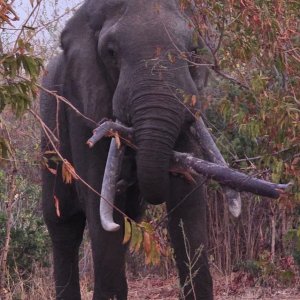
point(211, 151)
point(108, 191)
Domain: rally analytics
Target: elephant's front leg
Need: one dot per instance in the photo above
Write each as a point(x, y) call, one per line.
point(187, 228)
point(108, 255)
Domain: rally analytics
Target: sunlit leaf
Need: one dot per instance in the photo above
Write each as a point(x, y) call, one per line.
point(118, 141)
point(127, 230)
point(68, 172)
point(147, 243)
point(136, 238)
point(193, 100)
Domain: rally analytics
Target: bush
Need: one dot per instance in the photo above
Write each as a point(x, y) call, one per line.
point(29, 240)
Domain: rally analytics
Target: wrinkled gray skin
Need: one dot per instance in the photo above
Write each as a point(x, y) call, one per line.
point(111, 68)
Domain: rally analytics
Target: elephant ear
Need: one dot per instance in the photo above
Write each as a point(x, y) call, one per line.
point(85, 84)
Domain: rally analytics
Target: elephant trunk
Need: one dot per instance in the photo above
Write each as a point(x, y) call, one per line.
point(157, 120)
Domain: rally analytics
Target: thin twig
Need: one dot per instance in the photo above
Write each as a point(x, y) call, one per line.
point(25, 23)
point(73, 171)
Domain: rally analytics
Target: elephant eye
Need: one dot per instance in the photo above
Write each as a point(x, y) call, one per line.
point(196, 57)
point(111, 52)
point(193, 54)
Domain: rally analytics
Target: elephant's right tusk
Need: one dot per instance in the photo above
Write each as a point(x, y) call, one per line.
point(213, 154)
point(108, 191)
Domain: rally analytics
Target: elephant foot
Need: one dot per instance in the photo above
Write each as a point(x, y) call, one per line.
point(116, 297)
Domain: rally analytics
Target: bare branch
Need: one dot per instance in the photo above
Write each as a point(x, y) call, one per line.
point(230, 177)
point(110, 128)
point(50, 136)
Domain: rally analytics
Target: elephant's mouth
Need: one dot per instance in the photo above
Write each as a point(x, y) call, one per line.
point(124, 135)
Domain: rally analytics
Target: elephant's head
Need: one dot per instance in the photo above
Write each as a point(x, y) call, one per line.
point(132, 57)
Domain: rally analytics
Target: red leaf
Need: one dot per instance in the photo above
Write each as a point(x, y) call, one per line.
point(56, 204)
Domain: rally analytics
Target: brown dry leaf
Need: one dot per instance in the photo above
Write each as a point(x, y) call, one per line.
point(147, 243)
point(118, 141)
point(52, 171)
point(68, 172)
point(153, 257)
point(188, 175)
point(171, 58)
point(148, 258)
point(50, 152)
point(155, 254)
point(193, 100)
point(56, 204)
point(5, 10)
point(127, 231)
point(136, 237)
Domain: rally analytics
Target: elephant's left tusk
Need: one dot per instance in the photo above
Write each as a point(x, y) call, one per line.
point(108, 191)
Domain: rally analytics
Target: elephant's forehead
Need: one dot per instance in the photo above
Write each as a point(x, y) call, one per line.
point(146, 12)
point(161, 20)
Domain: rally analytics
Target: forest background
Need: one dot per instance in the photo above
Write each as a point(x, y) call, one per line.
point(251, 105)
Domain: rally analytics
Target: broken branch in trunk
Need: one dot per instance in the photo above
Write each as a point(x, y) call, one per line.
point(110, 128)
point(213, 154)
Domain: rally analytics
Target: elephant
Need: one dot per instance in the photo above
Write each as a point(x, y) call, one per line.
point(125, 60)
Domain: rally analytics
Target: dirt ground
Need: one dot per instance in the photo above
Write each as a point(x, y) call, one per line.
point(156, 288)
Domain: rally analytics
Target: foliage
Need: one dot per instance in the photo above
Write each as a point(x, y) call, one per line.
point(257, 44)
point(19, 71)
point(292, 238)
point(29, 240)
point(23, 241)
point(142, 235)
point(265, 272)
point(15, 90)
point(253, 101)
